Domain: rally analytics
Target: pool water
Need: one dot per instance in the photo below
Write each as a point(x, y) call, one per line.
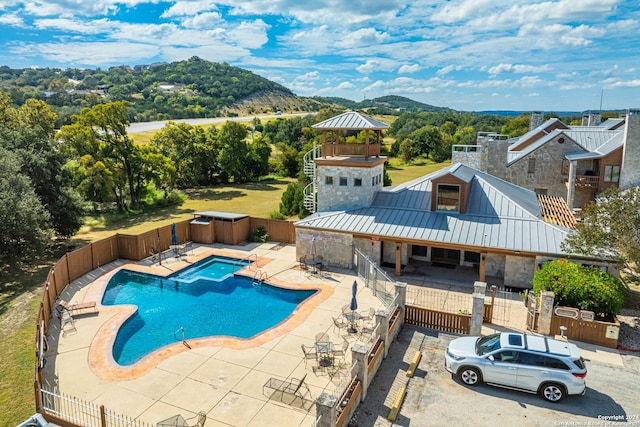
point(204, 300)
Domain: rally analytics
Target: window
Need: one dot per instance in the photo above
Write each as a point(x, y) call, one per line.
point(357, 182)
point(552, 362)
point(532, 165)
point(531, 359)
point(328, 180)
point(611, 173)
point(343, 181)
point(373, 181)
point(448, 197)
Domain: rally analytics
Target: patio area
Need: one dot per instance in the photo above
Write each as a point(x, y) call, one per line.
point(224, 377)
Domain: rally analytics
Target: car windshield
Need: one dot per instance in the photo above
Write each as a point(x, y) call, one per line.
point(487, 344)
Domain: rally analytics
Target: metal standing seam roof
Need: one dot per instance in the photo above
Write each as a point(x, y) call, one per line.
point(499, 215)
point(351, 120)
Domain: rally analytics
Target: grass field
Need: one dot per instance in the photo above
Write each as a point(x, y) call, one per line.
point(21, 286)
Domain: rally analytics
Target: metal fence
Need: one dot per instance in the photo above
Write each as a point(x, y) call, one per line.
point(445, 301)
point(75, 411)
point(381, 285)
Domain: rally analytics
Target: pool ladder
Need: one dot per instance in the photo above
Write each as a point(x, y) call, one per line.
point(184, 342)
point(258, 279)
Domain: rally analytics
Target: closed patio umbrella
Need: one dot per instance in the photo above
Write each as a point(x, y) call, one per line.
point(174, 236)
point(353, 306)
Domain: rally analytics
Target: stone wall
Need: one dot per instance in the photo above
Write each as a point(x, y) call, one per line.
point(547, 169)
point(335, 196)
point(495, 265)
point(630, 171)
point(336, 249)
point(468, 158)
point(518, 271)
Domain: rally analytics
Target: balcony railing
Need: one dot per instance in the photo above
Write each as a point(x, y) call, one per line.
point(351, 150)
point(587, 181)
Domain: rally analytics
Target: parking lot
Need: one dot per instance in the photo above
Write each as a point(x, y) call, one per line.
point(435, 398)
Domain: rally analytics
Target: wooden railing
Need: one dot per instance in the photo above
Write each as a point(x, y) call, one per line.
point(351, 150)
point(587, 181)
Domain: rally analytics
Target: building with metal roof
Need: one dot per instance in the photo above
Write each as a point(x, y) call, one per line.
point(553, 158)
point(458, 216)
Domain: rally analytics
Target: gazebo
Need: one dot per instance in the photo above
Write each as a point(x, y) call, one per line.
point(355, 122)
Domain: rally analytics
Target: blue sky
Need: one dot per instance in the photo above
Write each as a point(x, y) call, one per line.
point(471, 55)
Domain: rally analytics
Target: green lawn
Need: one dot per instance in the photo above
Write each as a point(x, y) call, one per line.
point(20, 287)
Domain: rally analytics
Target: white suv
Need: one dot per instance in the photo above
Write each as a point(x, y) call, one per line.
point(536, 364)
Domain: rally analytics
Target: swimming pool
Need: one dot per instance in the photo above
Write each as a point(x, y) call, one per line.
point(204, 300)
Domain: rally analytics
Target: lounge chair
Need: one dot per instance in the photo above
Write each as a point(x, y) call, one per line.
point(309, 354)
point(293, 386)
point(71, 308)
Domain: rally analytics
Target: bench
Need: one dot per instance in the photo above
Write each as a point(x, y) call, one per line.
point(293, 386)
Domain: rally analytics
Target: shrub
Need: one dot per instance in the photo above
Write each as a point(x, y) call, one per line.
point(276, 215)
point(586, 288)
point(260, 235)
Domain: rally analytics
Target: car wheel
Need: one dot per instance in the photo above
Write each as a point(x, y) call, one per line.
point(552, 392)
point(469, 375)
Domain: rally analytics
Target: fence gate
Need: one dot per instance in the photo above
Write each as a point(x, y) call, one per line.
point(532, 306)
point(503, 303)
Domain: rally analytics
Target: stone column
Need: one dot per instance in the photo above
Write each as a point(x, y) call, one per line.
point(359, 356)
point(382, 324)
point(326, 410)
point(546, 311)
point(477, 311)
point(401, 290)
point(571, 185)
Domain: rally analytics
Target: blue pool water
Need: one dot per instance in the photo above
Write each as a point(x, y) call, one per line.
point(204, 299)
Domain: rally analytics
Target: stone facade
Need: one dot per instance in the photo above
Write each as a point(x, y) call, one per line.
point(495, 265)
point(338, 185)
point(468, 155)
point(518, 271)
point(542, 169)
point(630, 170)
point(336, 249)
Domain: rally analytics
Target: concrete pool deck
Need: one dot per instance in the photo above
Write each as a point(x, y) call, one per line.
point(223, 377)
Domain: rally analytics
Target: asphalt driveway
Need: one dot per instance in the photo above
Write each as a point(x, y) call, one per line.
point(435, 398)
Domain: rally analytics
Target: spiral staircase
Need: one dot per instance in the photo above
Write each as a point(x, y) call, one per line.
point(310, 170)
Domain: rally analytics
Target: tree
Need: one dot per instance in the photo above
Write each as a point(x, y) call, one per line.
point(25, 229)
point(586, 288)
point(101, 132)
point(233, 150)
point(28, 133)
point(610, 227)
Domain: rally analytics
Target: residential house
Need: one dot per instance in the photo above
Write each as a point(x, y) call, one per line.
point(456, 217)
point(572, 162)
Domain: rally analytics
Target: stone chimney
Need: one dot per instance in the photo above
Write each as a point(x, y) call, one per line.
point(591, 118)
point(537, 118)
point(630, 169)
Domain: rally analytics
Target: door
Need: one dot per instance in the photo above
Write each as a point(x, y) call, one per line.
point(503, 369)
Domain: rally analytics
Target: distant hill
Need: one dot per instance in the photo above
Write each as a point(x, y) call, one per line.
point(160, 91)
point(512, 113)
point(391, 104)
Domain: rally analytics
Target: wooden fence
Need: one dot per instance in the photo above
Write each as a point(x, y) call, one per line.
point(593, 332)
point(81, 261)
point(434, 319)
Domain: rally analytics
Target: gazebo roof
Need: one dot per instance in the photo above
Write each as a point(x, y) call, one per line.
point(351, 120)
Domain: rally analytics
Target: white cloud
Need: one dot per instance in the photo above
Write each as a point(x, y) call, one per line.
point(201, 20)
point(374, 65)
point(188, 8)
point(407, 69)
point(449, 68)
point(93, 54)
point(12, 20)
point(518, 69)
